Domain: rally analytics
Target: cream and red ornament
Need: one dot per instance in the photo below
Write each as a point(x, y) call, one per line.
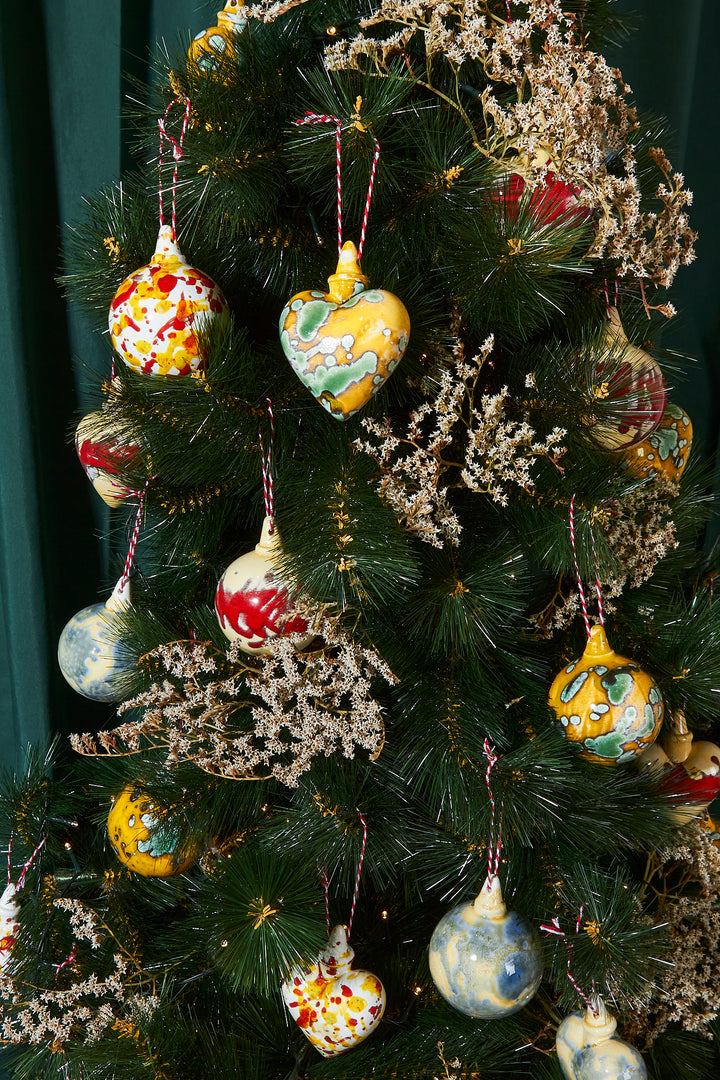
point(212, 47)
point(631, 380)
point(550, 201)
point(89, 650)
point(588, 1048)
point(143, 838)
point(254, 604)
point(104, 452)
point(690, 769)
point(159, 313)
point(665, 452)
point(334, 1006)
point(10, 910)
point(606, 704)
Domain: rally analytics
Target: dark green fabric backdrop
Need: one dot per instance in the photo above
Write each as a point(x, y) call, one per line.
point(63, 66)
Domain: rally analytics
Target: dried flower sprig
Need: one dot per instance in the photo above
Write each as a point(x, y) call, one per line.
point(249, 721)
point(485, 448)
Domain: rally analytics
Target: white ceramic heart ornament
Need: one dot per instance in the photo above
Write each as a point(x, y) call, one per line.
point(345, 343)
point(588, 1049)
point(334, 1006)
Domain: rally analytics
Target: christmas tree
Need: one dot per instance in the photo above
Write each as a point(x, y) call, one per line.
point(406, 677)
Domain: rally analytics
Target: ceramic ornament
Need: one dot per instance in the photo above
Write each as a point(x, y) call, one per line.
point(9, 924)
point(605, 703)
point(253, 603)
point(159, 310)
point(142, 839)
point(103, 453)
point(664, 453)
point(630, 377)
point(345, 343)
point(88, 650)
point(334, 1006)
point(211, 47)
point(690, 770)
point(484, 960)
point(588, 1049)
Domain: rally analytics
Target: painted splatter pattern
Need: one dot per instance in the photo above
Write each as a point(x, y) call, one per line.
point(581, 1059)
point(335, 1007)
point(158, 311)
point(664, 453)
point(344, 344)
point(89, 655)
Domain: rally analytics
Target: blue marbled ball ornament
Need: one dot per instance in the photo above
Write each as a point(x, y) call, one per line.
point(484, 960)
point(588, 1050)
point(88, 650)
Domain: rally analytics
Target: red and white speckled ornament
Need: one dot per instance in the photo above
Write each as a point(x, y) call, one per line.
point(158, 311)
point(9, 925)
point(253, 603)
point(335, 1007)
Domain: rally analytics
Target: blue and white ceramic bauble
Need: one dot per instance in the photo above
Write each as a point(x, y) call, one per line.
point(88, 651)
point(588, 1050)
point(484, 960)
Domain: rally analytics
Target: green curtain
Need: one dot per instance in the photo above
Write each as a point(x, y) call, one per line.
point(65, 68)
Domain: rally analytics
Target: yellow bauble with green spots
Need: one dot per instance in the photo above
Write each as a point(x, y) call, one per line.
point(606, 704)
point(141, 837)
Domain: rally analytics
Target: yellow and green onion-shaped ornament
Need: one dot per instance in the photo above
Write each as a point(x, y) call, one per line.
point(606, 704)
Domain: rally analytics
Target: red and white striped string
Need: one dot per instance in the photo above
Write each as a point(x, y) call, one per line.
point(177, 152)
point(507, 8)
point(554, 928)
point(495, 843)
point(134, 538)
point(70, 960)
point(326, 893)
point(267, 466)
point(608, 305)
point(321, 118)
point(359, 872)
point(581, 590)
point(26, 867)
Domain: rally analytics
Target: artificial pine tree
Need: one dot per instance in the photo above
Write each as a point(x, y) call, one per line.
point(367, 528)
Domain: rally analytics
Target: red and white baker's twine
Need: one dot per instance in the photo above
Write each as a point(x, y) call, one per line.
point(266, 462)
point(134, 538)
point(70, 960)
point(554, 928)
point(177, 152)
point(319, 118)
point(359, 872)
point(608, 305)
point(26, 867)
point(495, 842)
point(581, 591)
point(326, 892)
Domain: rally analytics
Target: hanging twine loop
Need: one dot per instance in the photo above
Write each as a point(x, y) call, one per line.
point(495, 842)
point(359, 872)
point(553, 927)
point(72, 957)
point(266, 461)
point(320, 118)
point(326, 893)
point(177, 152)
point(608, 305)
point(581, 591)
point(134, 538)
point(23, 873)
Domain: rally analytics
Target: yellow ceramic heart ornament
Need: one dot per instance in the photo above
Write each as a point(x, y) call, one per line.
point(345, 343)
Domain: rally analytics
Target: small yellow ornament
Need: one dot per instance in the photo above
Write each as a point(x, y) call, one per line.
point(606, 704)
point(211, 47)
point(665, 452)
point(142, 839)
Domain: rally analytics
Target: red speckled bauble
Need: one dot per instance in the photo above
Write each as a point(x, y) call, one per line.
point(157, 312)
point(103, 453)
point(629, 378)
point(253, 604)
